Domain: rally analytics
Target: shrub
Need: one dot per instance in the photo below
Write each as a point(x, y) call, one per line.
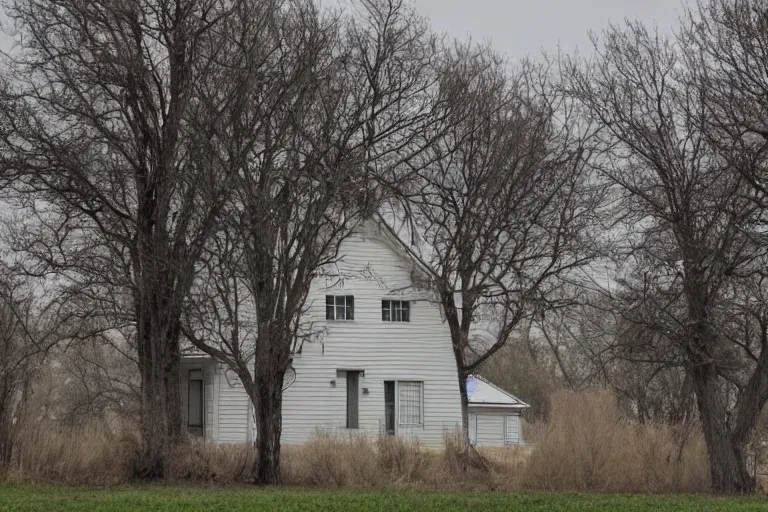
point(208, 462)
point(589, 446)
point(87, 455)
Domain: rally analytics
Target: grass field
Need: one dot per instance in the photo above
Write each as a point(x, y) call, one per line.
point(162, 498)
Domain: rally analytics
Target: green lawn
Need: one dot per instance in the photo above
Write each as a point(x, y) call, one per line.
point(28, 497)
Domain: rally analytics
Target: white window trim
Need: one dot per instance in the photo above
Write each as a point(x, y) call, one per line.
point(507, 441)
point(399, 422)
point(334, 319)
point(392, 310)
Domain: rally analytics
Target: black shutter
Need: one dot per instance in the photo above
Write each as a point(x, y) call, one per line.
point(389, 406)
point(353, 394)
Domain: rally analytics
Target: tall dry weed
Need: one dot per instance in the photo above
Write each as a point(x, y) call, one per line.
point(89, 455)
point(589, 445)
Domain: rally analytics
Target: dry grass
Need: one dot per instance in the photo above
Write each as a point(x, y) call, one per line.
point(83, 456)
point(387, 461)
point(590, 446)
point(92, 456)
point(207, 462)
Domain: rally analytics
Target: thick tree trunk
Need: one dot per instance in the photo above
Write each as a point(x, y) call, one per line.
point(268, 407)
point(464, 409)
point(160, 422)
point(469, 456)
point(727, 467)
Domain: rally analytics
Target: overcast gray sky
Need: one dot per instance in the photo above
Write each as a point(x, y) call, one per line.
point(523, 27)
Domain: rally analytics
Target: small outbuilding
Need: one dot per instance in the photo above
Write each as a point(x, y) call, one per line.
point(494, 414)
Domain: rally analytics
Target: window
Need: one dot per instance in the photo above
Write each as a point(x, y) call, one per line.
point(511, 430)
point(389, 406)
point(353, 399)
point(339, 307)
point(410, 399)
point(395, 310)
point(195, 402)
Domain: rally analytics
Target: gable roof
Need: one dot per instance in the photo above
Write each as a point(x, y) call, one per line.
point(389, 232)
point(482, 393)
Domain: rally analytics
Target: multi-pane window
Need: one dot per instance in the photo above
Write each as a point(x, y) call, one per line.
point(410, 402)
point(395, 310)
point(339, 307)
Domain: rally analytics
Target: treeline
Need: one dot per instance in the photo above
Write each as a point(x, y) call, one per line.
point(178, 172)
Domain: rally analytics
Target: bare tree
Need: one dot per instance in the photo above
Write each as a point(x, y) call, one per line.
point(14, 368)
point(501, 204)
point(688, 232)
point(29, 328)
point(97, 125)
point(96, 384)
point(331, 111)
point(597, 346)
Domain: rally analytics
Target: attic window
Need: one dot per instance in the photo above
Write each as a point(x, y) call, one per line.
point(395, 311)
point(339, 307)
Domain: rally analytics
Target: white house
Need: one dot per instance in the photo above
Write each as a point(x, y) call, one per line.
point(383, 364)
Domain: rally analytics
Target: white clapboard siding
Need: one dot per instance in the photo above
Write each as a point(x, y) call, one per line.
point(232, 405)
point(371, 269)
point(418, 350)
point(496, 427)
point(490, 429)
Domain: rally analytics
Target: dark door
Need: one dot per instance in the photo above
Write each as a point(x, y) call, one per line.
point(353, 394)
point(389, 406)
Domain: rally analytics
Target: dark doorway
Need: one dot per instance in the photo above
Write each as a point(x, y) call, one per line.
point(389, 406)
point(353, 399)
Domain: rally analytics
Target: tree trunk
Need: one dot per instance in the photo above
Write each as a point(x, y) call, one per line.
point(6, 437)
point(160, 423)
point(727, 468)
point(464, 409)
point(268, 407)
point(469, 456)
point(8, 407)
